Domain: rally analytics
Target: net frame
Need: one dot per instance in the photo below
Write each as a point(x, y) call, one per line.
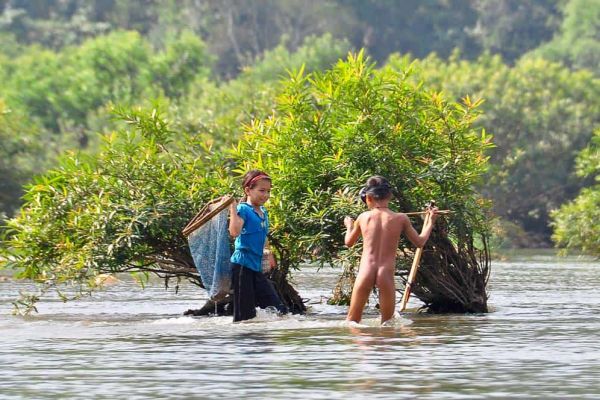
point(211, 253)
point(206, 213)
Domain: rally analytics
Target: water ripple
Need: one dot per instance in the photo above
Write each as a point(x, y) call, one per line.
point(540, 341)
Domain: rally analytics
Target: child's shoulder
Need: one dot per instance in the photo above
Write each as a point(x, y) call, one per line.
point(402, 218)
point(364, 214)
point(401, 215)
point(242, 206)
point(398, 216)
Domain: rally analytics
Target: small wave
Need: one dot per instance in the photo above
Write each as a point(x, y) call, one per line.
point(396, 321)
point(183, 320)
point(271, 320)
point(353, 324)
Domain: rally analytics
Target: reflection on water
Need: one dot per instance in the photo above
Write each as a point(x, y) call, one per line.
point(540, 341)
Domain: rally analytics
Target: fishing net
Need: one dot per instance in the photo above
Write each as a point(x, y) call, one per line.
point(208, 239)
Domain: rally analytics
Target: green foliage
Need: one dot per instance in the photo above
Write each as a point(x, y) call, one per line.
point(588, 160)
point(540, 113)
point(577, 44)
point(64, 89)
point(215, 111)
point(9, 47)
point(327, 131)
point(511, 28)
point(121, 210)
point(412, 26)
point(334, 129)
point(240, 32)
point(55, 87)
point(69, 93)
point(23, 152)
point(506, 235)
point(53, 24)
point(315, 53)
point(576, 223)
point(185, 58)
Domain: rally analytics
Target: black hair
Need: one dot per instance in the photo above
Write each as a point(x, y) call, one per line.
point(378, 187)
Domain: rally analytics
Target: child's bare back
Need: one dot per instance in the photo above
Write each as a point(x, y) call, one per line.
point(381, 229)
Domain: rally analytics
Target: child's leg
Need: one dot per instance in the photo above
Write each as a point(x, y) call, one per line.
point(266, 295)
point(243, 293)
point(360, 294)
point(387, 292)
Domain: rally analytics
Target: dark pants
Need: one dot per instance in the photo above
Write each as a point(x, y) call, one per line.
point(251, 289)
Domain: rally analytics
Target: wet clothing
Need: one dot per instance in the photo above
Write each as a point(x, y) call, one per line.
point(249, 245)
point(250, 286)
point(251, 289)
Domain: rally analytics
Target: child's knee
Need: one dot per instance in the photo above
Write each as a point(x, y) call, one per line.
point(364, 282)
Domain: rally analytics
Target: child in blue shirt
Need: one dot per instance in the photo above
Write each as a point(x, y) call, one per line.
point(249, 224)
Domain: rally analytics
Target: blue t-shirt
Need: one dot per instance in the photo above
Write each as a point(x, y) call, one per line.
point(249, 245)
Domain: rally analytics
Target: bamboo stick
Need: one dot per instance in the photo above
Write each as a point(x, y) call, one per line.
point(207, 212)
point(413, 272)
point(442, 212)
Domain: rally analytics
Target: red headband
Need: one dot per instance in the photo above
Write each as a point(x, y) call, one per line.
point(258, 177)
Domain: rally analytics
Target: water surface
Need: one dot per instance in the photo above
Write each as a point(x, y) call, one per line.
point(539, 341)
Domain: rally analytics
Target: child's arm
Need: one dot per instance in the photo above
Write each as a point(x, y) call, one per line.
point(419, 240)
point(352, 231)
point(272, 259)
point(235, 221)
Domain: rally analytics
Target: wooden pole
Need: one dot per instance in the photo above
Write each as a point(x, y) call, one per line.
point(413, 272)
point(440, 212)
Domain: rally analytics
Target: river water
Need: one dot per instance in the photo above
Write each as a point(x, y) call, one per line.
point(540, 340)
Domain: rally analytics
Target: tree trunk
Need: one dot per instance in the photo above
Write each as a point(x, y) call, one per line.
point(278, 277)
point(290, 297)
point(453, 279)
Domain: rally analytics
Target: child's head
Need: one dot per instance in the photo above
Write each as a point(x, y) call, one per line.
point(377, 188)
point(257, 186)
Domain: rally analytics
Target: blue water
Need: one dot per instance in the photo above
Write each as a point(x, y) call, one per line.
point(539, 341)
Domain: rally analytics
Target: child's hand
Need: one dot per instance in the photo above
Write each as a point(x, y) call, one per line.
point(234, 203)
point(348, 222)
point(433, 213)
point(235, 221)
point(272, 260)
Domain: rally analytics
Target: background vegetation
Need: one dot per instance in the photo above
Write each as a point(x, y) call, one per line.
point(216, 66)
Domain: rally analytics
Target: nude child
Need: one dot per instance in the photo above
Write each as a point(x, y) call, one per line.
point(381, 229)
